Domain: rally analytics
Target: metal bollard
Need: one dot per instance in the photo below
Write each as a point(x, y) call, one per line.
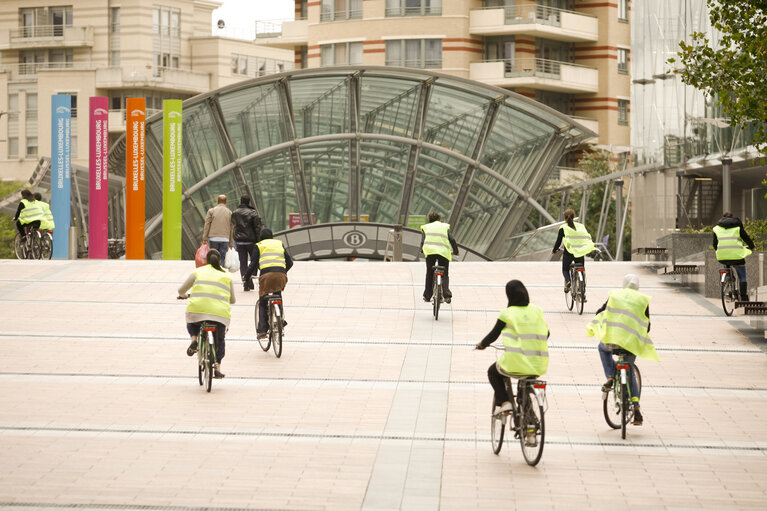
point(73, 242)
point(397, 243)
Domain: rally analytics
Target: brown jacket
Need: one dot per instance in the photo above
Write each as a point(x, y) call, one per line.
point(218, 223)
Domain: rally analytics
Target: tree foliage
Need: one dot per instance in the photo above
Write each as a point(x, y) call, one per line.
point(732, 74)
point(7, 227)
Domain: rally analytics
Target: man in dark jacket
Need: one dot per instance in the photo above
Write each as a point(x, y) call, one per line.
point(247, 226)
point(730, 242)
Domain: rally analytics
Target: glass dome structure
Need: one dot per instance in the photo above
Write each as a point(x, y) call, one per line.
point(378, 144)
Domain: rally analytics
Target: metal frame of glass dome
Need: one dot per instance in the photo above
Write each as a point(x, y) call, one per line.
point(336, 144)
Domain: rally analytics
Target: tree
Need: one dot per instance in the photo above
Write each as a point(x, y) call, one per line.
point(7, 226)
point(733, 74)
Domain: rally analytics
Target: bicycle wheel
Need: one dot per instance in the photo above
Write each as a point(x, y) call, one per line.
point(266, 342)
point(625, 407)
point(200, 357)
point(46, 244)
point(276, 331)
point(497, 428)
point(208, 365)
point(436, 297)
point(533, 431)
point(728, 292)
point(19, 248)
point(35, 247)
point(611, 405)
point(580, 291)
point(570, 296)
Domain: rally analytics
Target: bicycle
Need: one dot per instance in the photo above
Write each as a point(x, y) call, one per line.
point(46, 244)
point(206, 352)
point(527, 416)
point(621, 411)
point(730, 289)
point(577, 293)
point(436, 290)
point(30, 247)
point(275, 316)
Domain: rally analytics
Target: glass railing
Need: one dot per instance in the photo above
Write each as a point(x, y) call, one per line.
point(540, 241)
point(542, 14)
point(424, 10)
point(39, 31)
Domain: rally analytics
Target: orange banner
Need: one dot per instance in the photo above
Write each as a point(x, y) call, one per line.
point(135, 197)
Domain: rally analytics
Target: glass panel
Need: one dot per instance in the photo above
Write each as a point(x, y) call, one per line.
point(454, 118)
point(485, 210)
point(326, 55)
point(437, 180)
point(254, 118)
point(413, 53)
point(433, 53)
point(203, 151)
point(388, 105)
point(271, 180)
point(340, 54)
point(355, 54)
point(393, 53)
point(326, 167)
point(382, 167)
point(320, 105)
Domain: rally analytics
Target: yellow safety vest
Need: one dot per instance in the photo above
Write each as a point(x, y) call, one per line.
point(624, 323)
point(578, 241)
point(525, 341)
point(31, 212)
point(437, 240)
point(271, 254)
point(211, 292)
point(47, 222)
point(730, 246)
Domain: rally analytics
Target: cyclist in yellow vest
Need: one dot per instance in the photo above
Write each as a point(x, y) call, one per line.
point(730, 242)
point(624, 322)
point(210, 300)
point(577, 244)
point(525, 340)
point(270, 258)
point(47, 223)
point(438, 246)
point(28, 213)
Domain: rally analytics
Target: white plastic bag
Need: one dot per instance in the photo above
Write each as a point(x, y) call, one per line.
point(232, 261)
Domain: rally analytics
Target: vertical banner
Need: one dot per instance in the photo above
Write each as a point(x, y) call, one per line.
point(135, 195)
point(98, 182)
point(171, 182)
point(61, 198)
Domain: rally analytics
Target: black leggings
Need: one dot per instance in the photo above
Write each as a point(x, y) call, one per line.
point(567, 259)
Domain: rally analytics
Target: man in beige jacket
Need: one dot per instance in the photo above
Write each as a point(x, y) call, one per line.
point(219, 230)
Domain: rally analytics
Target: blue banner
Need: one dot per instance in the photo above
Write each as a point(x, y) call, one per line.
point(61, 195)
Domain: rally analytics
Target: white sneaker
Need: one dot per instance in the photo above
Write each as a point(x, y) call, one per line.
point(505, 407)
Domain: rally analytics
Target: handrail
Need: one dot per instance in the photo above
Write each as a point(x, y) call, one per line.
point(540, 64)
point(535, 8)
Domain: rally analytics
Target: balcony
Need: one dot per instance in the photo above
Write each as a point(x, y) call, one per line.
point(161, 78)
point(283, 33)
point(542, 74)
point(587, 122)
point(534, 21)
point(117, 119)
point(46, 36)
point(29, 70)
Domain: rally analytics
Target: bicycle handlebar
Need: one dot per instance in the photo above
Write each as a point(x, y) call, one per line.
point(183, 297)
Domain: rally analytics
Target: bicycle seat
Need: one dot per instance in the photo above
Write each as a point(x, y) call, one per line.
point(439, 268)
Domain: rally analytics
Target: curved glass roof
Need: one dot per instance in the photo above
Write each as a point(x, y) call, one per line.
point(381, 144)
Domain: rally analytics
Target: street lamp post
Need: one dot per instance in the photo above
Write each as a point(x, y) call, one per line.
point(726, 184)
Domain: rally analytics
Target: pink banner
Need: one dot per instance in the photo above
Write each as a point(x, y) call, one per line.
point(98, 242)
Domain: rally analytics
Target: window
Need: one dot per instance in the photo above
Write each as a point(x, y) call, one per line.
point(332, 10)
point(174, 23)
point(156, 20)
point(341, 54)
point(31, 147)
point(114, 21)
point(414, 53)
point(623, 112)
point(13, 103)
point(31, 107)
point(114, 58)
point(115, 103)
point(623, 10)
point(413, 7)
point(73, 99)
point(239, 64)
point(13, 147)
point(623, 58)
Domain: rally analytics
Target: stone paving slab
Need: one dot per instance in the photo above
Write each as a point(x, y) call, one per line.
point(373, 405)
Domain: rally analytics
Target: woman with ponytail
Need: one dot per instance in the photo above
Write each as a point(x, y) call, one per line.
point(212, 293)
point(577, 244)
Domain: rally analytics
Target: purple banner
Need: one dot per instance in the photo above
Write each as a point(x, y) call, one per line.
point(98, 242)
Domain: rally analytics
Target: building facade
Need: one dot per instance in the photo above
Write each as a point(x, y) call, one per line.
point(570, 55)
point(128, 48)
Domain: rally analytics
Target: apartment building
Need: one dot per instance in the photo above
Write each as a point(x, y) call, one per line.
point(571, 55)
point(156, 49)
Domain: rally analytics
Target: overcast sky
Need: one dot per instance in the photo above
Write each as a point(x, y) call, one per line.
point(240, 15)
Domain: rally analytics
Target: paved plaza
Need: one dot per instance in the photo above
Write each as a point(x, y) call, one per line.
point(373, 405)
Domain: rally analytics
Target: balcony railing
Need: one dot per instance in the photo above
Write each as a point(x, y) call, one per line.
point(348, 14)
point(422, 10)
point(166, 78)
point(30, 69)
point(46, 35)
point(559, 23)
